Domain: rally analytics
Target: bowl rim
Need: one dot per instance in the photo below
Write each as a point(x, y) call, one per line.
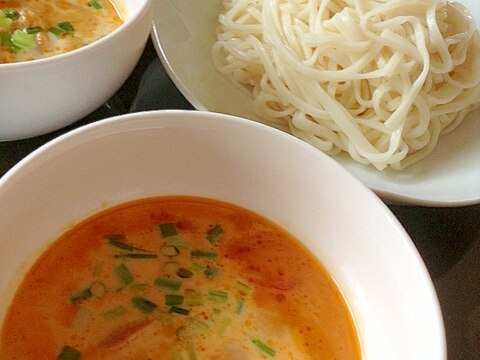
point(141, 7)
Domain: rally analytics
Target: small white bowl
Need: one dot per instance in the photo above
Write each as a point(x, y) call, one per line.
point(184, 34)
point(43, 95)
point(342, 222)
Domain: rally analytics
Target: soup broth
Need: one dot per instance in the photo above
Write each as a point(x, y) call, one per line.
point(33, 29)
point(178, 278)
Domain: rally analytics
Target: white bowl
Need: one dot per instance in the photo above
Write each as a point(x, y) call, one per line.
point(43, 95)
point(183, 34)
point(342, 222)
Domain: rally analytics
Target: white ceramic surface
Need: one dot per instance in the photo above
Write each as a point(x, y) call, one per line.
point(43, 95)
point(183, 33)
point(243, 162)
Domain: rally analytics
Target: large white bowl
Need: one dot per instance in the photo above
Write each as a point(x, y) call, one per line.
point(341, 221)
point(43, 95)
point(183, 33)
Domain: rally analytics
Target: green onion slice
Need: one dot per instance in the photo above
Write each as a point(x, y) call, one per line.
point(124, 274)
point(137, 256)
point(263, 347)
point(115, 240)
point(23, 40)
point(66, 26)
point(10, 13)
point(177, 241)
point(172, 299)
point(168, 284)
point(144, 305)
point(179, 310)
point(33, 30)
point(218, 295)
point(69, 353)
point(211, 271)
point(214, 234)
point(80, 296)
point(95, 4)
point(204, 254)
point(63, 28)
point(168, 229)
point(6, 41)
point(5, 22)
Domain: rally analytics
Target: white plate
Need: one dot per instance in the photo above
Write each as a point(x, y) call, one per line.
point(183, 33)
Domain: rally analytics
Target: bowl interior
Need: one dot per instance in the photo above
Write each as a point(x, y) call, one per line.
point(265, 170)
point(183, 33)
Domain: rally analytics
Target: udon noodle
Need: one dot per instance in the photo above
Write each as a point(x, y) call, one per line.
point(378, 79)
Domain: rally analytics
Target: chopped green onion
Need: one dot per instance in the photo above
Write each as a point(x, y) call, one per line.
point(214, 234)
point(144, 305)
point(218, 295)
point(33, 30)
point(211, 271)
point(172, 299)
point(114, 240)
point(56, 31)
point(95, 4)
point(204, 254)
point(169, 250)
point(63, 28)
point(124, 274)
point(66, 26)
point(168, 284)
point(168, 229)
point(11, 14)
point(137, 256)
point(179, 310)
point(115, 313)
point(5, 23)
point(242, 288)
point(23, 40)
point(177, 241)
point(6, 41)
point(69, 353)
point(193, 298)
point(81, 295)
point(184, 273)
point(196, 268)
point(263, 347)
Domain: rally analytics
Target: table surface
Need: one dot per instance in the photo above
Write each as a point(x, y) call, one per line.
point(447, 238)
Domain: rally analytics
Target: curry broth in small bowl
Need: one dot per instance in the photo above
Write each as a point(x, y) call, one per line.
point(53, 57)
point(195, 235)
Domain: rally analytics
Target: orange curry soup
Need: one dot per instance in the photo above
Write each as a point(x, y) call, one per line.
point(34, 29)
point(178, 278)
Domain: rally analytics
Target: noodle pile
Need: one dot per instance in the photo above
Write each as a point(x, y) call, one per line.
point(378, 79)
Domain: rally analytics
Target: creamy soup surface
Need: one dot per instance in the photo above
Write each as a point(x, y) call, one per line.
point(33, 29)
point(178, 278)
